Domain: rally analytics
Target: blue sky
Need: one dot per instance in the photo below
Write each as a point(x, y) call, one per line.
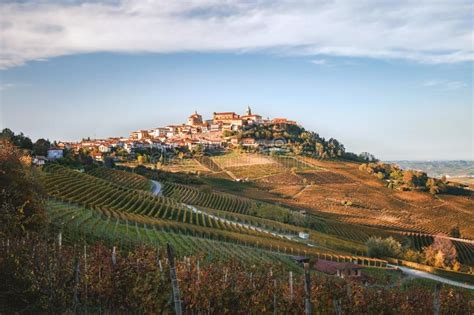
point(400, 99)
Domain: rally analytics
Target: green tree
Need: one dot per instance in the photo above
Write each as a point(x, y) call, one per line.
point(41, 146)
point(379, 247)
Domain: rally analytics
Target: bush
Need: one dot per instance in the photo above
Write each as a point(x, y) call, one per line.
point(388, 247)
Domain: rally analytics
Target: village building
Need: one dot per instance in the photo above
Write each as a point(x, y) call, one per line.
point(251, 118)
point(104, 148)
point(249, 142)
point(158, 132)
point(139, 134)
point(285, 121)
point(39, 160)
point(224, 117)
point(195, 119)
point(55, 153)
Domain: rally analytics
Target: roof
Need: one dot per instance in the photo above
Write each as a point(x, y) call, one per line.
point(331, 267)
point(300, 258)
point(225, 113)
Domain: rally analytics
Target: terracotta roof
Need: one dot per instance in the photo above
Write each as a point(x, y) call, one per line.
point(331, 267)
point(225, 113)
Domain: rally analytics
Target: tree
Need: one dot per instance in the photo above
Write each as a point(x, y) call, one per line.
point(21, 205)
point(41, 146)
point(109, 162)
point(455, 232)
point(21, 141)
point(379, 247)
point(441, 253)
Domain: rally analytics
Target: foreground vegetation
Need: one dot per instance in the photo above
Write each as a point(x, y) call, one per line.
point(90, 238)
point(42, 276)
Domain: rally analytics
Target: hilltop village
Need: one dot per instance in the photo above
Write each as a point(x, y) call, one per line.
point(215, 133)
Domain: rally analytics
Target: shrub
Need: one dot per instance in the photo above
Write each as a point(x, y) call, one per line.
point(388, 247)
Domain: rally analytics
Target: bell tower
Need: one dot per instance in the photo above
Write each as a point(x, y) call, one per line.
point(248, 112)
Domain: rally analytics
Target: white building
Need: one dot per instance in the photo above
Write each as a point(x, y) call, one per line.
point(55, 153)
point(104, 148)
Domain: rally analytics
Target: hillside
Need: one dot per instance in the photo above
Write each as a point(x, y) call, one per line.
point(255, 213)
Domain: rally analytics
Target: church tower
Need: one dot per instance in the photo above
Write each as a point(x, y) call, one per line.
point(248, 112)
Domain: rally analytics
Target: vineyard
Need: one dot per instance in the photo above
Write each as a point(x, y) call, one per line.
point(100, 209)
point(122, 178)
point(464, 249)
point(101, 279)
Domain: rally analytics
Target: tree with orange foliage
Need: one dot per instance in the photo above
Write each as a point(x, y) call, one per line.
point(441, 253)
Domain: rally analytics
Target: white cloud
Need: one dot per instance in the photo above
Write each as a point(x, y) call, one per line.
point(426, 31)
point(445, 84)
point(319, 62)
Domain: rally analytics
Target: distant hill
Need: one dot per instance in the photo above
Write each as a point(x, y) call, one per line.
point(459, 168)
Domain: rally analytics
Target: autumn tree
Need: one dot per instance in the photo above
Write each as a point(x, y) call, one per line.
point(441, 253)
point(21, 206)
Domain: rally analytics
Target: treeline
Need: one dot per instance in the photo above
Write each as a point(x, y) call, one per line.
point(398, 178)
point(40, 147)
point(301, 141)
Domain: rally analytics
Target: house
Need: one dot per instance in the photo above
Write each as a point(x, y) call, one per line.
point(278, 121)
point(39, 160)
point(104, 148)
point(98, 156)
point(55, 153)
point(249, 142)
point(158, 132)
point(340, 269)
point(139, 134)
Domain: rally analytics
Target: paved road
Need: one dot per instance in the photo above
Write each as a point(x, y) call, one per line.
point(156, 189)
point(426, 275)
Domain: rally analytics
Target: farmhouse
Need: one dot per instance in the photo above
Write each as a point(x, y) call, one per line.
point(342, 270)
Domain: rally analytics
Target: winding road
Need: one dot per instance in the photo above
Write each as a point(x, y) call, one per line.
point(423, 274)
point(156, 190)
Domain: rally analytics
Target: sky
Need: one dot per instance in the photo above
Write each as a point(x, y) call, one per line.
point(393, 79)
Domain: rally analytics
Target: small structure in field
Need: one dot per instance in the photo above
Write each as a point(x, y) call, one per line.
point(340, 269)
point(303, 235)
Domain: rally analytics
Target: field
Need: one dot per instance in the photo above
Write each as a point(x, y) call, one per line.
point(339, 192)
point(258, 220)
point(86, 206)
